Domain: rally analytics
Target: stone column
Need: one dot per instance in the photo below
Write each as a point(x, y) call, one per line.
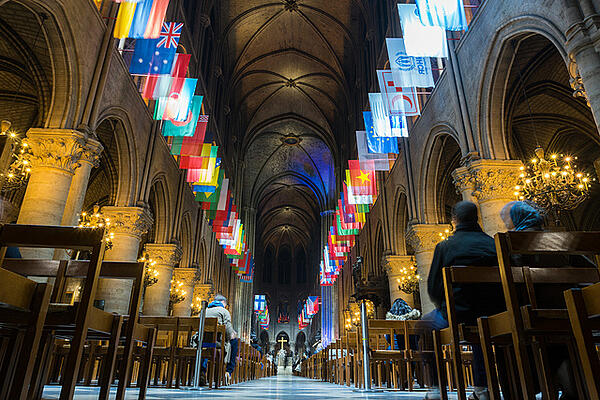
point(90, 158)
point(423, 238)
point(203, 292)
point(128, 225)
point(465, 183)
point(156, 299)
point(495, 182)
point(393, 268)
point(54, 156)
point(188, 276)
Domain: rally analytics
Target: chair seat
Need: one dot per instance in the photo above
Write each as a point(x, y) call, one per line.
point(546, 321)
point(387, 354)
point(62, 319)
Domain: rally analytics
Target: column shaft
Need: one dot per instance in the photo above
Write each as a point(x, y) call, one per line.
point(156, 300)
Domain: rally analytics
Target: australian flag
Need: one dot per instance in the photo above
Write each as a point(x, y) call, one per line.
point(155, 56)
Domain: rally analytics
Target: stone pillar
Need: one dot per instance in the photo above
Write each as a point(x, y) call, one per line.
point(423, 238)
point(128, 225)
point(156, 299)
point(393, 267)
point(495, 182)
point(54, 156)
point(188, 276)
point(584, 72)
point(90, 158)
point(465, 183)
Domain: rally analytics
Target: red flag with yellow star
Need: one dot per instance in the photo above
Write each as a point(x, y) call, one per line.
point(363, 181)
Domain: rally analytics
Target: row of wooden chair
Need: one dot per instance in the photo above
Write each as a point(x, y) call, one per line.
point(523, 331)
point(43, 339)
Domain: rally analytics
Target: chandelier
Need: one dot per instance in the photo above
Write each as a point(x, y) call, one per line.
point(554, 184)
point(150, 271)
point(95, 220)
point(18, 172)
point(196, 306)
point(352, 313)
point(408, 281)
point(177, 292)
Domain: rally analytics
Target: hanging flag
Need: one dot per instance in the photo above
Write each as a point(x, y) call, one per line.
point(141, 19)
point(388, 125)
point(176, 107)
point(149, 59)
point(187, 127)
point(448, 14)
point(194, 145)
point(124, 20)
point(377, 161)
point(158, 86)
point(363, 182)
point(378, 144)
point(260, 302)
point(421, 40)
point(408, 71)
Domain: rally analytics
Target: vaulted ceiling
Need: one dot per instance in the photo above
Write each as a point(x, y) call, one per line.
point(291, 67)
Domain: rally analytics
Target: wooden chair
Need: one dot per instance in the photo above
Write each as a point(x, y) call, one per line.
point(23, 307)
point(61, 319)
point(393, 359)
point(525, 323)
point(458, 334)
point(85, 316)
point(584, 312)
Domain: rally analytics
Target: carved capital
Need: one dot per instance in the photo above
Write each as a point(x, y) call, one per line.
point(186, 275)
point(394, 264)
point(463, 180)
point(128, 220)
point(55, 148)
point(495, 179)
point(91, 152)
point(164, 254)
point(204, 291)
point(424, 237)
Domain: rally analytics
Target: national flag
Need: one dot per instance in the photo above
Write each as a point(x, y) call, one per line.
point(187, 127)
point(375, 161)
point(191, 146)
point(141, 19)
point(387, 125)
point(378, 144)
point(170, 34)
point(150, 59)
point(407, 71)
point(421, 40)
point(448, 14)
point(208, 180)
point(312, 304)
point(176, 107)
point(210, 200)
point(362, 181)
point(260, 302)
point(157, 86)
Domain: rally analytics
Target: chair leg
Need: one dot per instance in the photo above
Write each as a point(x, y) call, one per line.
point(439, 361)
point(110, 361)
point(544, 373)
point(144, 374)
point(488, 358)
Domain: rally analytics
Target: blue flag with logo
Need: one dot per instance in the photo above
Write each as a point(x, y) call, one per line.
point(408, 71)
point(378, 144)
point(447, 14)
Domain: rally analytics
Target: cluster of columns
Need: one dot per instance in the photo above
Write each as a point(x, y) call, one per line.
point(61, 161)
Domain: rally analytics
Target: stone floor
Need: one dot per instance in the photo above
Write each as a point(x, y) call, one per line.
point(280, 387)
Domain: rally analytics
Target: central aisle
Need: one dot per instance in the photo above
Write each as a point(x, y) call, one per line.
point(280, 387)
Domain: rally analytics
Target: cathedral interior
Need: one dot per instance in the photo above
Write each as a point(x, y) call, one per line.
point(265, 189)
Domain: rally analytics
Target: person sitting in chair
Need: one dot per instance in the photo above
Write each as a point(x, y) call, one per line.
point(218, 309)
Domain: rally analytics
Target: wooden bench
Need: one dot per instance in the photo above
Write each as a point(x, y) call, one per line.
point(523, 322)
point(584, 312)
point(23, 307)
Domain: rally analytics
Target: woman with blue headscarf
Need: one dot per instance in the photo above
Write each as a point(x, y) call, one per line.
point(521, 216)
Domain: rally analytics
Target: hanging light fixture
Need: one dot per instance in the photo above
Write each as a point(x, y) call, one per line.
point(408, 282)
point(4, 127)
point(95, 220)
point(554, 184)
point(150, 271)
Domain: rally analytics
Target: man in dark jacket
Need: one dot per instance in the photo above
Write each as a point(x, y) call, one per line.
point(468, 246)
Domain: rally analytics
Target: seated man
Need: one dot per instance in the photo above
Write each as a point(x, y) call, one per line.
point(218, 309)
point(468, 246)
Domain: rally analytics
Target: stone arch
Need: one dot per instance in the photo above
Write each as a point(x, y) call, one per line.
point(202, 262)
point(378, 247)
point(263, 339)
point(492, 142)
point(187, 241)
point(442, 156)
point(125, 147)
point(300, 343)
point(51, 64)
point(158, 199)
point(399, 221)
point(286, 345)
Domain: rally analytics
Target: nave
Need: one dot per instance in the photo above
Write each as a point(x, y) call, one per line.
point(281, 387)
